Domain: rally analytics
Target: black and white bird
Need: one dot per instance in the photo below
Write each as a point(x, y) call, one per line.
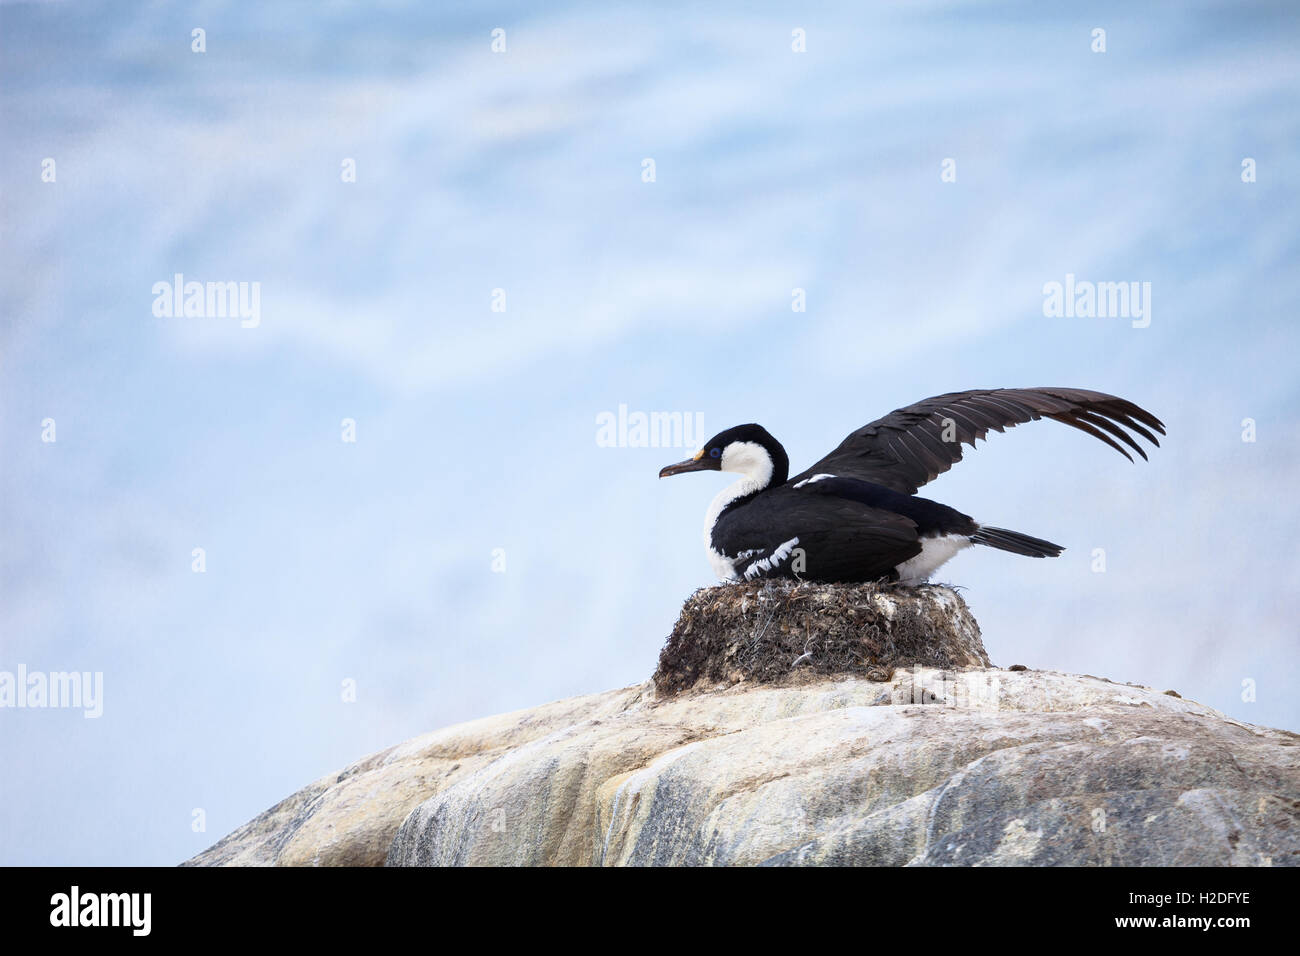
point(854, 515)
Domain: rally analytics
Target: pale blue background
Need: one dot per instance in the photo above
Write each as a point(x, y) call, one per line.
point(328, 561)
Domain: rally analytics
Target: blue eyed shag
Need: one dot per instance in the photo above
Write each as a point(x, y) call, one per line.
point(855, 515)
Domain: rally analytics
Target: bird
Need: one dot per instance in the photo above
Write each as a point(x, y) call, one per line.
point(855, 516)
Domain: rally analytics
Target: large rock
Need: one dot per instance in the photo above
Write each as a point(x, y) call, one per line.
point(970, 765)
point(979, 766)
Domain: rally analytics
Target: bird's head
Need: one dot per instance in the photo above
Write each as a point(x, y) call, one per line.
point(746, 450)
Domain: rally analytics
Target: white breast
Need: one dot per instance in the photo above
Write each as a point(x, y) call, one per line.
point(752, 461)
point(723, 566)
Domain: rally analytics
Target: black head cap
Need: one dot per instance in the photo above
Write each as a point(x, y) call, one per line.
point(710, 457)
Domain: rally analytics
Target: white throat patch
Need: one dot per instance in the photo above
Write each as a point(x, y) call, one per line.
point(749, 459)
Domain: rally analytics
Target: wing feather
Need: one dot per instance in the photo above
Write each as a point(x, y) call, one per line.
point(906, 449)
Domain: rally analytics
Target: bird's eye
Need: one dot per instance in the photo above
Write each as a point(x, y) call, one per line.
point(716, 453)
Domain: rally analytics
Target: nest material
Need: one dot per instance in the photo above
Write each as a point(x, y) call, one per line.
point(778, 632)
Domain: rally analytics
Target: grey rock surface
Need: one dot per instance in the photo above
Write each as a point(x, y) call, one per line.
point(972, 767)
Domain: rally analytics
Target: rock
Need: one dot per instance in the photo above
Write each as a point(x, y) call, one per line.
point(973, 767)
point(931, 766)
point(785, 632)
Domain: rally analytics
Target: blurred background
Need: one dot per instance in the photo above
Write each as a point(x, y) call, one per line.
point(476, 549)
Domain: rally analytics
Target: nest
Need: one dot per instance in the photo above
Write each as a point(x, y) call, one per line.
point(779, 632)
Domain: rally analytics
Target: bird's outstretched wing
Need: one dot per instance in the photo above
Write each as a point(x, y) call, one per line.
point(916, 444)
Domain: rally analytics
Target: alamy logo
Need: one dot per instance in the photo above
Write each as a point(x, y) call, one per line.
point(949, 689)
point(75, 908)
point(1098, 300)
point(61, 689)
point(649, 430)
point(208, 300)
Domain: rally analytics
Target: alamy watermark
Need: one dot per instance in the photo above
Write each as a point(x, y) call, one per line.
point(60, 689)
point(1098, 300)
point(970, 690)
point(129, 910)
point(626, 429)
point(208, 300)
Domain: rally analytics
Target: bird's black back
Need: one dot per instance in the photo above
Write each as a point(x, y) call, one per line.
point(845, 529)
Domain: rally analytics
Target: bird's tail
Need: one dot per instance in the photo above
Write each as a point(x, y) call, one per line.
point(1016, 543)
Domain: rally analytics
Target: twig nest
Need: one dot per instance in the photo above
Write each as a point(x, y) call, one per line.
point(778, 632)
